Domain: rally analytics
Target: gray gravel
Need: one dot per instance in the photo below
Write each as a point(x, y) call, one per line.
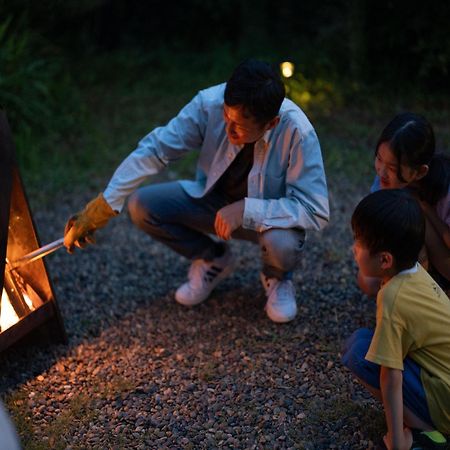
point(141, 371)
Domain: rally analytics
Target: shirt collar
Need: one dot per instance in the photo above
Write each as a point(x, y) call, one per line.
point(263, 141)
point(413, 269)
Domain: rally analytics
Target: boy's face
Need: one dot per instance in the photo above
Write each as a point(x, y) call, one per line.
point(369, 265)
point(241, 128)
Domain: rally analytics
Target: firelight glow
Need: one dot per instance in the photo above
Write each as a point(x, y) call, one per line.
point(287, 69)
point(8, 316)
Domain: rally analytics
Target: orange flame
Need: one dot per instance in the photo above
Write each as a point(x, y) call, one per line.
point(8, 316)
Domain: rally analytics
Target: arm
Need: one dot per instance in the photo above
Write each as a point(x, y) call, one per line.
point(181, 134)
point(154, 152)
point(304, 198)
point(391, 391)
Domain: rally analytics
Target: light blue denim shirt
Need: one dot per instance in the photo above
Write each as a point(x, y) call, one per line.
point(286, 185)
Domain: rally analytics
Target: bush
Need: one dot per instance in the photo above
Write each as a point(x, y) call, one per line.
point(37, 93)
point(24, 79)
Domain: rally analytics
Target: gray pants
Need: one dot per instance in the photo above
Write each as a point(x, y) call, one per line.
point(183, 223)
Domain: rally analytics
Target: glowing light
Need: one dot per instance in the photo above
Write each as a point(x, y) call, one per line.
point(28, 301)
point(8, 316)
point(287, 69)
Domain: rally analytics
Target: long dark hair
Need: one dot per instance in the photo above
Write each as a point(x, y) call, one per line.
point(411, 139)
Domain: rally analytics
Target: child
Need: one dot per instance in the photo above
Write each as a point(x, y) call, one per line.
point(405, 157)
point(405, 362)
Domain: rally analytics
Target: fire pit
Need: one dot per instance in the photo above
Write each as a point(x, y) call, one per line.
point(27, 302)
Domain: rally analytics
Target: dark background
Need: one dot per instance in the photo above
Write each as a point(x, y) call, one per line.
point(378, 42)
point(389, 42)
point(82, 81)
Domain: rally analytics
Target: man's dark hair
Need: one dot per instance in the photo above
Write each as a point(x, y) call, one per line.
point(258, 88)
point(391, 220)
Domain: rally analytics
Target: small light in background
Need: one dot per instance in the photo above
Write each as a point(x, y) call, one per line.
point(287, 69)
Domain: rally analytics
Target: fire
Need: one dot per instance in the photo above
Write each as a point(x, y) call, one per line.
point(8, 316)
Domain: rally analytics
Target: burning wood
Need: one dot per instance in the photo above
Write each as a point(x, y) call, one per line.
point(18, 296)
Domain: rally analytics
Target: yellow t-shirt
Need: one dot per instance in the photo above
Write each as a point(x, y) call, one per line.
point(413, 319)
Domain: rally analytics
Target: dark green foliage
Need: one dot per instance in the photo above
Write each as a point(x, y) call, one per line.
point(24, 78)
point(72, 74)
point(363, 41)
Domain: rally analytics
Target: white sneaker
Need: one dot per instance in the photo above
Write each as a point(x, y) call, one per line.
point(203, 277)
point(281, 305)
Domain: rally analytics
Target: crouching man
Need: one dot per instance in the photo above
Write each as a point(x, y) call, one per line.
point(260, 177)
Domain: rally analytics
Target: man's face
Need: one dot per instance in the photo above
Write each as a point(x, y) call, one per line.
point(241, 128)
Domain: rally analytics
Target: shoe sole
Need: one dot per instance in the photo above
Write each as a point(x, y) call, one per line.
point(280, 319)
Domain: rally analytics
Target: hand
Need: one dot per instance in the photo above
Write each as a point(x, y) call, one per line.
point(405, 442)
point(229, 218)
point(72, 238)
point(80, 227)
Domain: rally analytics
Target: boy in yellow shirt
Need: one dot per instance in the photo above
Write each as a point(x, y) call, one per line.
point(405, 361)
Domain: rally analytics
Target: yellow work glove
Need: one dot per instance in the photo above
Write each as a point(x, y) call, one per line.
point(81, 226)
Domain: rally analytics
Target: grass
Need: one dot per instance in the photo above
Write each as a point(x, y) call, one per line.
point(121, 97)
point(116, 99)
point(75, 118)
point(80, 410)
point(335, 413)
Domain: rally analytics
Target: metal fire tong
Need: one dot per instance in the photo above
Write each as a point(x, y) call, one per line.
point(36, 254)
point(16, 286)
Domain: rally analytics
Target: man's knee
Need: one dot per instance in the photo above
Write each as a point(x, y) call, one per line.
point(282, 247)
point(138, 209)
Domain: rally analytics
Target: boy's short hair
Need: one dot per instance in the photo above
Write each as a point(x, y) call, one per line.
point(391, 220)
point(258, 88)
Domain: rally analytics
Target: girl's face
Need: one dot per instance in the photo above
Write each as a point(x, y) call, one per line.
point(386, 167)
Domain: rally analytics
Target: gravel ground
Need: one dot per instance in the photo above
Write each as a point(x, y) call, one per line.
point(141, 371)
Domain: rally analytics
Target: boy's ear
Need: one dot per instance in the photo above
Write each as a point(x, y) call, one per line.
point(422, 171)
point(386, 260)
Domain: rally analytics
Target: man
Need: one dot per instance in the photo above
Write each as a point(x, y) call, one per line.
point(260, 177)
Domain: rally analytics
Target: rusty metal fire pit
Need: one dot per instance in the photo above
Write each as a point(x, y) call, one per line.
point(28, 303)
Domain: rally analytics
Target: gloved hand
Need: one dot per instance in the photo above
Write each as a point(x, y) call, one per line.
point(81, 226)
